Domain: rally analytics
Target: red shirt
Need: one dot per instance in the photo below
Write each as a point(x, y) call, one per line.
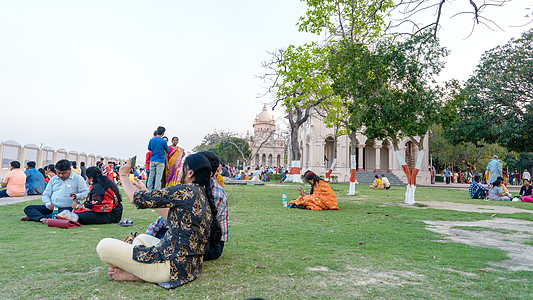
point(147, 163)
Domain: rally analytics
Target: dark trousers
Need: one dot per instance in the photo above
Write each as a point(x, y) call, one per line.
point(213, 252)
point(479, 194)
point(91, 217)
point(38, 212)
point(447, 180)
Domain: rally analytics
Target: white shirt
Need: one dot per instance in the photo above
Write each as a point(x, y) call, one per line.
point(526, 175)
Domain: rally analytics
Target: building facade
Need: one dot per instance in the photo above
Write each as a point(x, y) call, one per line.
point(317, 152)
point(267, 143)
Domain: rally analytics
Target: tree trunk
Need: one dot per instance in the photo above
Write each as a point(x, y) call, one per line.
point(410, 173)
point(353, 163)
point(294, 173)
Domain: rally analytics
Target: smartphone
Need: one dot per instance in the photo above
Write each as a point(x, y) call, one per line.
point(133, 161)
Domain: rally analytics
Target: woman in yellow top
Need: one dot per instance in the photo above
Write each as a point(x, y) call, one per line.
point(377, 184)
point(321, 197)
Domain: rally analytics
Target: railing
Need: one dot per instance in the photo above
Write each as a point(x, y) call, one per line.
point(11, 150)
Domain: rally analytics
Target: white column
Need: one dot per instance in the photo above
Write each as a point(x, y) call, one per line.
point(391, 159)
point(360, 159)
point(378, 157)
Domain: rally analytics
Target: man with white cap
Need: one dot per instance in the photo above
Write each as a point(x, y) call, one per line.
point(495, 169)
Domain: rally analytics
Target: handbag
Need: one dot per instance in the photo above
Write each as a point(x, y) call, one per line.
point(63, 223)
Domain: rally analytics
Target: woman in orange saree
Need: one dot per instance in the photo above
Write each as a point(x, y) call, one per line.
point(174, 158)
point(321, 197)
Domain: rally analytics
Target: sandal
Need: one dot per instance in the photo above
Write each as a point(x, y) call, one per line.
point(126, 222)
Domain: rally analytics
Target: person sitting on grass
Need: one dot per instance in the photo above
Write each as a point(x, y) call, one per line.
point(321, 196)
point(526, 191)
point(377, 184)
point(14, 182)
point(495, 193)
point(505, 191)
point(60, 192)
point(284, 176)
point(35, 183)
point(213, 251)
point(476, 190)
point(103, 204)
point(386, 182)
point(175, 259)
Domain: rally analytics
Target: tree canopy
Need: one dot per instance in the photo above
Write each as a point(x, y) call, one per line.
point(496, 106)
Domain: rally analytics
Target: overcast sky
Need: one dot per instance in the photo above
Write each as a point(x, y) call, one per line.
point(100, 76)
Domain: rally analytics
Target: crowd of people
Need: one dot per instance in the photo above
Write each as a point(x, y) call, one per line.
point(496, 188)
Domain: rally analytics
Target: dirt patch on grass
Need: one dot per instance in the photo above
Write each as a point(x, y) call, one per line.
point(363, 277)
point(504, 234)
point(468, 207)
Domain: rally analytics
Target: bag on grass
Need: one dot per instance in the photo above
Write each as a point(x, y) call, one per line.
point(63, 223)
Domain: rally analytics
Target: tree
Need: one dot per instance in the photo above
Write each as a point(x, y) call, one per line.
point(395, 94)
point(299, 83)
point(300, 79)
point(428, 14)
point(497, 99)
point(466, 155)
point(230, 147)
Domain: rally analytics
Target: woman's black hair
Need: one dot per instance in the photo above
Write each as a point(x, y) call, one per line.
point(41, 170)
point(96, 174)
point(376, 176)
point(496, 183)
point(52, 168)
point(201, 168)
point(312, 178)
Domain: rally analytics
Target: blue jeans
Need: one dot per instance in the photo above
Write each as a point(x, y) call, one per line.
point(3, 193)
point(156, 173)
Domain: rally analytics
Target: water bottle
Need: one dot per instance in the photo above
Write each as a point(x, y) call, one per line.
point(284, 198)
point(54, 213)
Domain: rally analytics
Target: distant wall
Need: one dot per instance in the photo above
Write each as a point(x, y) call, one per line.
point(11, 150)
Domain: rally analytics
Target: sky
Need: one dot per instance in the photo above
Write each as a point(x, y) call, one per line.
point(99, 76)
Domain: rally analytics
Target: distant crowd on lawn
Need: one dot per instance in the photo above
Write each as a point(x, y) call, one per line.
point(496, 188)
point(184, 190)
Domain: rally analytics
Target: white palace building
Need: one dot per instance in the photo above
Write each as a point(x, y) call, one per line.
point(317, 151)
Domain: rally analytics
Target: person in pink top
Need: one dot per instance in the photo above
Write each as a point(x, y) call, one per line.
point(14, 182)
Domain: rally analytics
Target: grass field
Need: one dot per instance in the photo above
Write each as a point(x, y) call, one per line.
point(370, 248)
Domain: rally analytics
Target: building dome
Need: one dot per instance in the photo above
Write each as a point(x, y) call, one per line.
point(265, 115)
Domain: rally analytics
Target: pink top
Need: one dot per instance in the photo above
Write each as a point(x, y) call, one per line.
point(16, 183)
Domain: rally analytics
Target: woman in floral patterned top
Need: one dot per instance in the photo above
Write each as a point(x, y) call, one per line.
point(177, 257)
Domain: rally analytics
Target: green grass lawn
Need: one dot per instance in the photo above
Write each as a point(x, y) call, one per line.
point(370, 248)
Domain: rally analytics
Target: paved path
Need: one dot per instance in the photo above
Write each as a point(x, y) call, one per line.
point(11, 200)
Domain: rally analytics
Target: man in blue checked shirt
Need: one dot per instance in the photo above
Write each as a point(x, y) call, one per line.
point(62, 189)
point(476, 189)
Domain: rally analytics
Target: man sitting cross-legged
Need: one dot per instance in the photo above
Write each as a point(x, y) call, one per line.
point(60, 192)
point(14, 182)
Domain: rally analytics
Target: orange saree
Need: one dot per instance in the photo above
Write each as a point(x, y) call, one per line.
point(322, 198)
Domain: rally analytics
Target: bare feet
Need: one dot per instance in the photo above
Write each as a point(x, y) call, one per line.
point(120, 275)
point(44, 221)
point(25, 218)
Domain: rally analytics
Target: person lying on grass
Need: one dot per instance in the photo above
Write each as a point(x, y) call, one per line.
point(321, 197)
point(176, 258)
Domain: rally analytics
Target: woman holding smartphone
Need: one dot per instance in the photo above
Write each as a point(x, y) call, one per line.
point(175, 259)
point(321, 196)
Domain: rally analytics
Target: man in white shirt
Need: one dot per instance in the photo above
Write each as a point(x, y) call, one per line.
point(526, 175)
point(386, 182)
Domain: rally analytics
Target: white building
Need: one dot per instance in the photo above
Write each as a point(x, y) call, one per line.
point(270, 142)
point(317, 152)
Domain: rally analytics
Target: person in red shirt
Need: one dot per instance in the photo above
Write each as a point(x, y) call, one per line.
point(103, 204)
point(110, 171)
